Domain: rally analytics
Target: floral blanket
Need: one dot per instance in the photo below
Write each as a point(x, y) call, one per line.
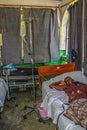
point(77, 112)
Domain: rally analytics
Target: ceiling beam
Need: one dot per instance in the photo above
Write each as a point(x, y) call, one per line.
point(41, 3)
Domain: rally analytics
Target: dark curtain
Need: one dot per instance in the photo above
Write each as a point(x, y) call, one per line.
point(1, 20)
point(41, 35)
point(9, 27)
point(54, 36)
point(85, 37)
point(75, 32)
point(44, 35)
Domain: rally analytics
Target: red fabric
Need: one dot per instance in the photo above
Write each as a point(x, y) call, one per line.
point(76, 92)
point(54, 70)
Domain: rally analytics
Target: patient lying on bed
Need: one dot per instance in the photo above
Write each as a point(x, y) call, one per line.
point(62, 85)
point(74, 90)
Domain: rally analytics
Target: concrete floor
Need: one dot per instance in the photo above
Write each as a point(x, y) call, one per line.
point(12, 116)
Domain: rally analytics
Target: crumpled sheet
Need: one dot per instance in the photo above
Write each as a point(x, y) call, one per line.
point(66, 124)
point(53, 101)
point(3, 93)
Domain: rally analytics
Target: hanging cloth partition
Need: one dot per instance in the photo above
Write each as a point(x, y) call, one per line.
point(41, 35)
point(75, 32)
point(44, 35)
point(85, 37)
point(73, 10)
point(54, 36)
point(1, 20)
point(10, 32)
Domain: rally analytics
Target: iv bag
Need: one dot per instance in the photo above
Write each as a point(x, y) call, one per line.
point(1, 39)
point(22, 29)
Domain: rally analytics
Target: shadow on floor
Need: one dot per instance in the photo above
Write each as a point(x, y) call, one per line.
point(12, 116)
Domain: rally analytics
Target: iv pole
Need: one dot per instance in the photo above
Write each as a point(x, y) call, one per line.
point(32, 55)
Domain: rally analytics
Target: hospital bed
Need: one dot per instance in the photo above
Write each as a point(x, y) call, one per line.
point(3, 93)
point(56, 102)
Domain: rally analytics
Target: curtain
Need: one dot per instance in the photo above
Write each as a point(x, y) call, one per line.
point(75, 32)
point(44, 35)
point(9, 27)
point(54, 36)
point(85, 37)
point(40, 34)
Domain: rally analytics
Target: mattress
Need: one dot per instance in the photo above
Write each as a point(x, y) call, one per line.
point(56, 102)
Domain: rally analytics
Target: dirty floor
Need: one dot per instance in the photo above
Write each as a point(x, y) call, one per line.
point(12, 118)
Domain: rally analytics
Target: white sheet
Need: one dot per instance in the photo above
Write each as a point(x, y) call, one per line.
point(66, 124)
point(3, 92)
point(53, 100)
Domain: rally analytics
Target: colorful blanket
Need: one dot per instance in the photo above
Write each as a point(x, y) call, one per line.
point(76, 91)
point(77, 112)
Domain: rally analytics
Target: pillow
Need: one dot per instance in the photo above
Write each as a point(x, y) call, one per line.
point(76, 75)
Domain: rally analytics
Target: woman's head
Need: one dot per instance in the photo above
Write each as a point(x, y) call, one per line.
point(68, 80)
